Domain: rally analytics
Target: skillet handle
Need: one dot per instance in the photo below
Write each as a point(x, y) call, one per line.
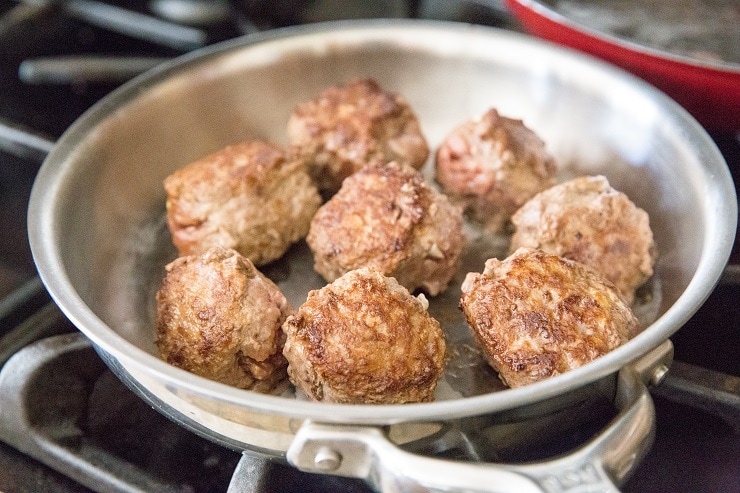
point(596, 467)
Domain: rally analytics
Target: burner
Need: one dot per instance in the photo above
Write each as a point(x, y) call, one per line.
point(68, 425)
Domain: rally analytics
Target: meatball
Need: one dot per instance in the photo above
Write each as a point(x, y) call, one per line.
point(491, 166)
point(536, 315)
point(249, 197)
point(364, 339)
point(587, 220)
point(346, 127)
point(387, 217)
point(220, 318)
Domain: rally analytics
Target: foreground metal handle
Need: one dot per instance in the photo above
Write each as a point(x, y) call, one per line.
point(598, 466)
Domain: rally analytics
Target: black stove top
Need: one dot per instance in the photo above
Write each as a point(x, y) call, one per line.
point(78, 428)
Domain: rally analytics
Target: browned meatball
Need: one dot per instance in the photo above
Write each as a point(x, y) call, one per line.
point(248, 197)
point(364, 339)
point(537, 315)
point(587, 220)
point(346, 127)
point(220, 318)
point(491, 166)
point(387, 217)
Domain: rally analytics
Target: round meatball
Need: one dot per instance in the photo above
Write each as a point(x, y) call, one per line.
point(248, 197)
point(491, 166)
point(220, 318)
point(346, 127)
point(587, 220)
point(364, 339)
point(387, 217)
point(536, 315)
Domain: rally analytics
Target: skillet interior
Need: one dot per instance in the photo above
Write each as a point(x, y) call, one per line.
point(96, 214)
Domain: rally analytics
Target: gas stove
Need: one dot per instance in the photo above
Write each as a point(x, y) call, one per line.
point(68, 425)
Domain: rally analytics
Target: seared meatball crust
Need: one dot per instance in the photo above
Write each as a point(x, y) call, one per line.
point(387, 217)
point(587, 220)
point(346, 127)
point(536, 315)
point(249, 197)
point(220, 318)
point(491, 166)
point(364, 339)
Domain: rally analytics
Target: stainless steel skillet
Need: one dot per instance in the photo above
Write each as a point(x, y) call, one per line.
point(98, 236)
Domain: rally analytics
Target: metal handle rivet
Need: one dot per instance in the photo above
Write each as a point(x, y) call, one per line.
point(659, 375)
point(327, 459)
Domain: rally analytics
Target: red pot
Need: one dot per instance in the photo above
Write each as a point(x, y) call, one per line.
point(709, 90)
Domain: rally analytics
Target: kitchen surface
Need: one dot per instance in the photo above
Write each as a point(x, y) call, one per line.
point(67, 424)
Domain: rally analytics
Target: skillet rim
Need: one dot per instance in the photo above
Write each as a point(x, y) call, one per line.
point(43, 229)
